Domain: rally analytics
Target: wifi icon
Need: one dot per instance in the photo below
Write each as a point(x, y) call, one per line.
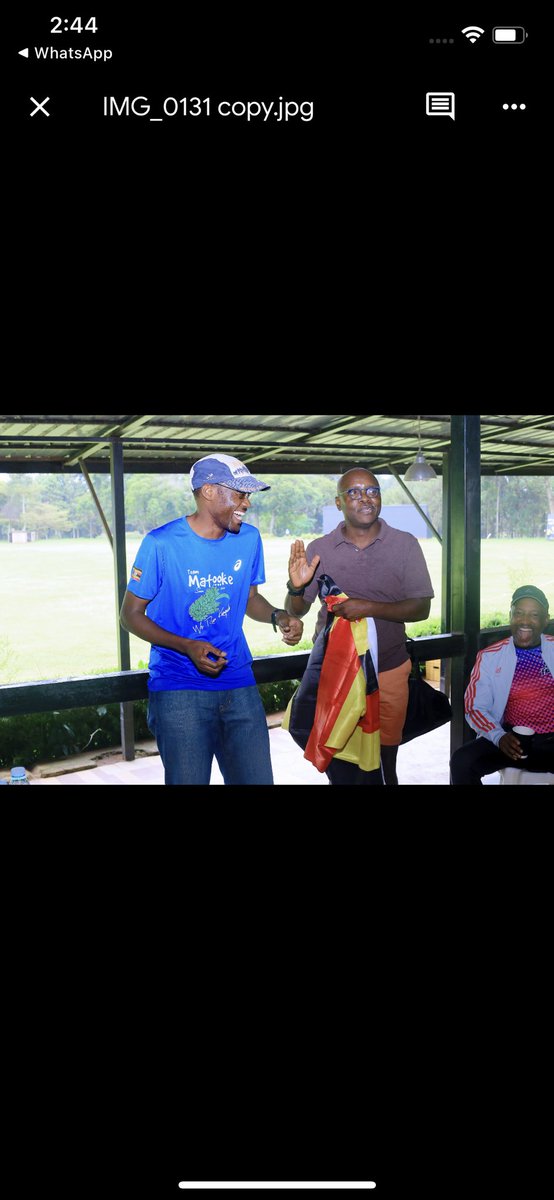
point(473, 32)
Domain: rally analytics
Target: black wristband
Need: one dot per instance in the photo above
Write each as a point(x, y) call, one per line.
point(274, 617)
point(295, 591)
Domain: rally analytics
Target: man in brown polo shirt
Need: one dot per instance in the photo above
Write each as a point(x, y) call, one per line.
point(384, 574)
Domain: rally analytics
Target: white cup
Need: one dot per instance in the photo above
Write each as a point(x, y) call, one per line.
point(524, 733)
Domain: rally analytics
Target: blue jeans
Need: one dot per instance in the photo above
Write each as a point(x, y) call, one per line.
point(191, 727)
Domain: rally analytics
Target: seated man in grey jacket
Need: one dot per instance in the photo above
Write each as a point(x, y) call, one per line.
point(512, 684)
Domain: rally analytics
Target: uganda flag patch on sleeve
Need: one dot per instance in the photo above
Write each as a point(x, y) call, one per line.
point(136, 574)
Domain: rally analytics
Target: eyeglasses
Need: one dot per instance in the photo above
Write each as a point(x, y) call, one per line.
point(235, 490)
point(357, 493)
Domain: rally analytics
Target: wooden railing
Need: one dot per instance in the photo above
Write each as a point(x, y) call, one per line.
point(125, 686)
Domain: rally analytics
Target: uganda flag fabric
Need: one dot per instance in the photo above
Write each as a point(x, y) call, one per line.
point(334, 713)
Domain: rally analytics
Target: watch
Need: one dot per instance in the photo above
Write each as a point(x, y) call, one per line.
point(295, 591)
point(274, 617)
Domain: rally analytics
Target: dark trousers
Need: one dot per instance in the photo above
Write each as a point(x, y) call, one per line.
point(348, 774)
point(481, 757)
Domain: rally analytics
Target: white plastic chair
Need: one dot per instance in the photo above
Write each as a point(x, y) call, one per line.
point(519, 775)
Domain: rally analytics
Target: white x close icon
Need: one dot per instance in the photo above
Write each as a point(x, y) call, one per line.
point(39, 104)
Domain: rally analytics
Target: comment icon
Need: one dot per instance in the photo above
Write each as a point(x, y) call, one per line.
point(440, 104)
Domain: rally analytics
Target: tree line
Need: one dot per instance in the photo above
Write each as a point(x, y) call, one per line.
point(56, 505)
point(511, 505)
point(62, 506)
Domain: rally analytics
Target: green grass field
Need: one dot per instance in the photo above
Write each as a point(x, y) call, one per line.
point(58, 612)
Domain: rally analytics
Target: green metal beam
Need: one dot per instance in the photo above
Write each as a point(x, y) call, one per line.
point(446, 576)
point(464, 559)
point(100, 510)
point(120, 580)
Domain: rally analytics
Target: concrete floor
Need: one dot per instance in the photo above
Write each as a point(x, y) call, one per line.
point(423, 761)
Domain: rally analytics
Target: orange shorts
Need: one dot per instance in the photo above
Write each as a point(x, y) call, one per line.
point(393, 702)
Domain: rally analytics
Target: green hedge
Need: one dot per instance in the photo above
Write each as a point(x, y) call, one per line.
point(48, 737)
point(433, 624)
point(275, 696)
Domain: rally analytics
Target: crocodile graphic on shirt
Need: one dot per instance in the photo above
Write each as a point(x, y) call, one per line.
point(207, 604)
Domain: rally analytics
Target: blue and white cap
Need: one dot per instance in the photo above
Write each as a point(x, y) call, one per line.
point(223, 468)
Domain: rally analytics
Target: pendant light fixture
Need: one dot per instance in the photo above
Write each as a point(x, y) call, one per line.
point(420, 468)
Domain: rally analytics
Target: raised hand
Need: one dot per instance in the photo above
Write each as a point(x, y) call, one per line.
point(300, 570)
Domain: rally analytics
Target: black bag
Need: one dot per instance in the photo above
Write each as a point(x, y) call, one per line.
point(427, 706)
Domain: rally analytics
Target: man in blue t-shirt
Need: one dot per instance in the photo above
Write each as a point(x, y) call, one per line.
point(191, 585)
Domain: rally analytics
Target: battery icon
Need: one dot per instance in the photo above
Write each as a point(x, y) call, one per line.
point(508, 35)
